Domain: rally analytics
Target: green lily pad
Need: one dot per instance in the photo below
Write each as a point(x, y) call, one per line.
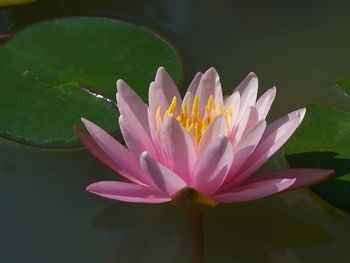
point(323, 141)
point(45, 68)
point(15, 2)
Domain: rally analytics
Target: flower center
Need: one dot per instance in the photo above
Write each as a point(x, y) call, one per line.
point(193, 122)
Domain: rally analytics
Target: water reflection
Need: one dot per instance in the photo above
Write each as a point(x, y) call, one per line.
point(259, 230)
point(157, 233)
point(45, 210)
point(254, 232)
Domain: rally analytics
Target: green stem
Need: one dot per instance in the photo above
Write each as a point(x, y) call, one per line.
point(197, 237)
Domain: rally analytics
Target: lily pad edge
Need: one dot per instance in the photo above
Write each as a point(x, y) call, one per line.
point(116, 134)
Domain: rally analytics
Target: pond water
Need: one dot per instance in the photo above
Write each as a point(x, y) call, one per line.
point(302, 48)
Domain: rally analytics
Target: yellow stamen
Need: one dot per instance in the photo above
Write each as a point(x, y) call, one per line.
point(211, 102)
point(229, 112)
point(221, 109)
point(196, 132)
point(191, 130)
point(188, 124)
point(180, 118)
point(172, 108)
point(196, 124)
point(158, 119)
point(184, 110)
point(209, 118)
point(195, 107)
point(158, 113)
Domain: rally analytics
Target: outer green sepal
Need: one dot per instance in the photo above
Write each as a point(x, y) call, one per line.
point(193, 201)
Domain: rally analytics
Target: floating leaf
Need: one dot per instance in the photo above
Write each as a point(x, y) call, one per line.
point(323, 141)
point(44, 68)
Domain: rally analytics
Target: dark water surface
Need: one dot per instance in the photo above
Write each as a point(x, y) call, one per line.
point(302, 48)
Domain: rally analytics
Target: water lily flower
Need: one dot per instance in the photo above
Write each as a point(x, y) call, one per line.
point(203, 143)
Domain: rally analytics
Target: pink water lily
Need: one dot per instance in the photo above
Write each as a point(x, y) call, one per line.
point(204, 142)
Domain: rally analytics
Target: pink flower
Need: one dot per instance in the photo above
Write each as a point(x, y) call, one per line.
point(204, 142)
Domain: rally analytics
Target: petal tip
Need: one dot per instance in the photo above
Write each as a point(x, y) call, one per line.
point(144, 156)
point(85, 121)
point(222, 138)
point(88, 124)
point(329, 171)
point(252, 75)
point(160, 72)
point(285, 183)
point(120, 84)
point(301, 113)
point(211, 72)
point(90, 188)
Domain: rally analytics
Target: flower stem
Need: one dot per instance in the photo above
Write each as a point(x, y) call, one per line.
point(197, 237)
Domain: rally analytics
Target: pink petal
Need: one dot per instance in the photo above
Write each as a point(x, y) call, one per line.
point(131, 105)
point(275, 135)
point(264, 103)
point(233, 101)
point(167, 181)
point(212, 165)
point(295, 117)
point(245, 147)
point(157, 98)
point(93, 147)
point(153, 124)
point(168, 87)
point(192, 88)
point(126, 192)
point(249, 119)
point(160, 95)
point(303, 176)
point(248, 89)
point(188, 101)
point(135, 138)
point(253, 191)
point(116, 152)
point(209, 85)
point(215, 128)
point(134, 123)
point(178, 148)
